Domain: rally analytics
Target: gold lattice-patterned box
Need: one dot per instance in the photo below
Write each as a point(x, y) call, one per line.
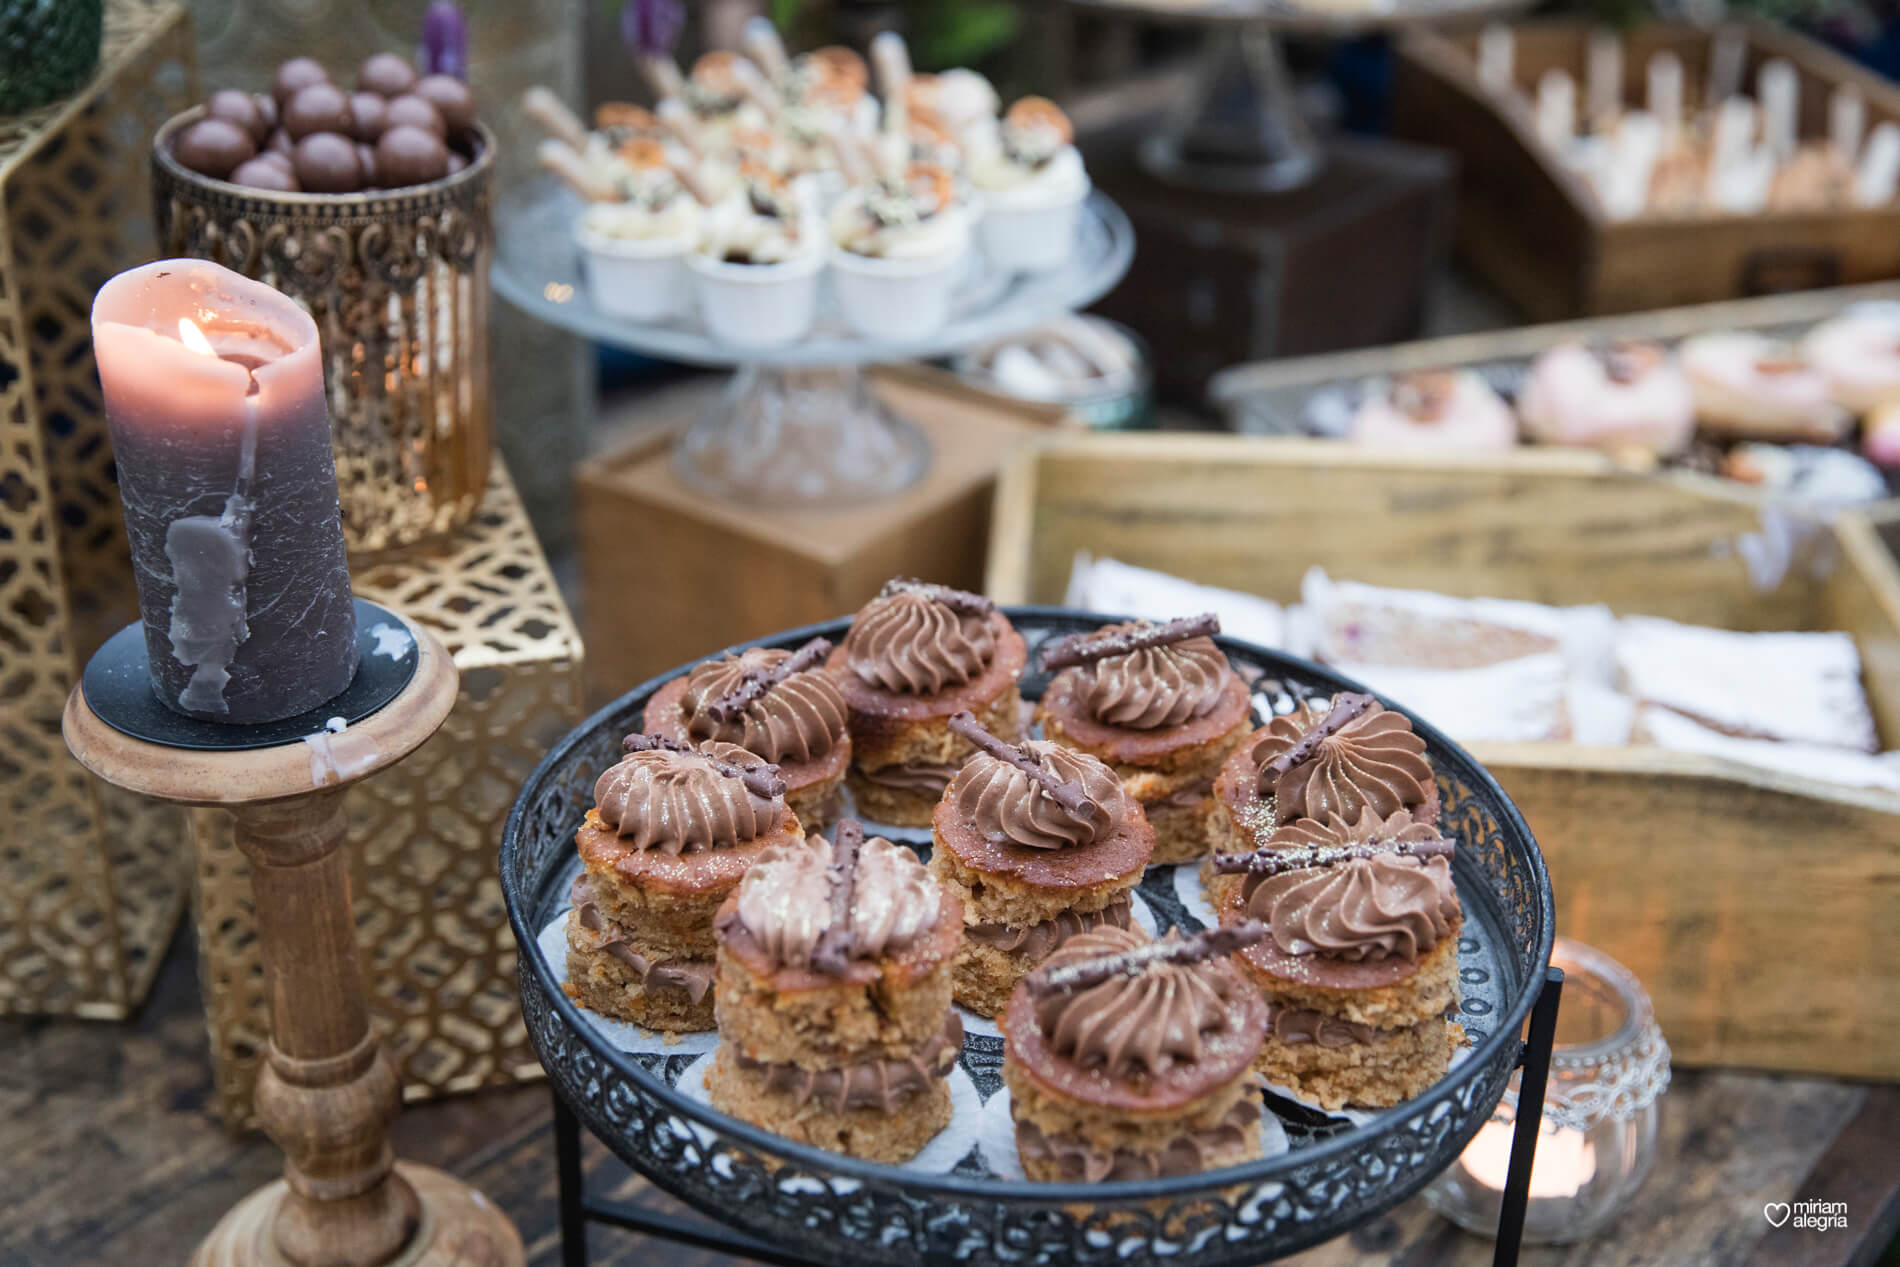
point(91, 879)
point(438, 955)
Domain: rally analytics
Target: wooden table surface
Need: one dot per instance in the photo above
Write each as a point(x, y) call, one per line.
point(110, 1155)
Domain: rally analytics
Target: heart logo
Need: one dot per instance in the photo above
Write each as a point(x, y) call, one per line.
point(1776, 1212)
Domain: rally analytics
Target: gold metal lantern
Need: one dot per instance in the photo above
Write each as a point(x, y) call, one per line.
point(397, 281)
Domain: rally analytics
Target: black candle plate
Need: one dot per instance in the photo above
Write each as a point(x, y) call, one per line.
point(118, 687)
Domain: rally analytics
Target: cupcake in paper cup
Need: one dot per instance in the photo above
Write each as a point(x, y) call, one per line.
point(897, 252)
point(635, 250)
point(1032, 185)
point(757, 269)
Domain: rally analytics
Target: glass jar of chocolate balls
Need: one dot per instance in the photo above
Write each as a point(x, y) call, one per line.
point(311, 135)
point(369, 204)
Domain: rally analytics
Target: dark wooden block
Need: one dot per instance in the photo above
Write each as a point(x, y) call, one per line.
point(1223, 278)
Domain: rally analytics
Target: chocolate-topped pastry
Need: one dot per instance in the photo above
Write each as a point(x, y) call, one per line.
point(214, 147)
point(782, 705)
point(833, 989)
point(671, 834)
point(915, 655)
point(1161, 705)
point(1041, 843)
point(1133, 1060)
point(386, 75)
point(1336, 757)
point(296, 74)
point(1360, 961)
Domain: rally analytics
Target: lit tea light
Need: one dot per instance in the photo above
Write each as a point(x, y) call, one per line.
point(1596, 1137)
point(1566, 1161)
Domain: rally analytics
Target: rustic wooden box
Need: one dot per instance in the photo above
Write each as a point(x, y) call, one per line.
point(668, 574)
point(1271, 398)
point(1759, 909)
point(1533, 230)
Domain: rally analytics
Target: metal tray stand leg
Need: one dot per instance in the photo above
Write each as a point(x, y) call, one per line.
point(578, 1209)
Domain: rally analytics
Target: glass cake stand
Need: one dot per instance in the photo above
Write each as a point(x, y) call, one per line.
point(798, 425)
point(784, 1202)
point(1239, 129)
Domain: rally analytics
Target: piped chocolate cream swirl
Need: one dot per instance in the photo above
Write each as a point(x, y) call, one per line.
point(1008, 806)
point(695, 976)
point(1386, 906)
point(785, 900)
point(797, 718)
point(1138, 1024)
point(678, 802)
point(908, 642)
point(1358, 755)
point(1154, 687)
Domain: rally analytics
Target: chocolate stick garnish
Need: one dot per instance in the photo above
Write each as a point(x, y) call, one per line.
point(1211, 943)
point(832, 954)
point(1083, 648)
point(1066, 793)
point(762, 781)
point(756, 682)
point(962, 602)
point(1345, 708)
point(1270, 861)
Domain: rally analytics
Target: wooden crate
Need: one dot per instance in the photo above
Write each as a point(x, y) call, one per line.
point(668, 574)
point(1533, 230)
point(1760, 909)
point(1272, 397)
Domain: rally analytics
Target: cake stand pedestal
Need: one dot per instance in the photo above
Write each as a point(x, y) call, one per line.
point(329, 1092)
point(798, 429)
point(1239, 130)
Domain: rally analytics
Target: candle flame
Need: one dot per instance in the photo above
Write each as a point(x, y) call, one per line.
point(192, 337)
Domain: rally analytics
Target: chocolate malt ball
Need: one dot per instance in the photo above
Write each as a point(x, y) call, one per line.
point(409, 155)
point(415, 112)
point(296, 74)
point(327, 164)
point(451, 98)
point(214, 147)
point(318, 108)
point(386, 75)
point(261, 173)
point(240, 108)
point(370, 114)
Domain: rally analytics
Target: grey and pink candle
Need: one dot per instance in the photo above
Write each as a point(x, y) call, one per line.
point(221, 435)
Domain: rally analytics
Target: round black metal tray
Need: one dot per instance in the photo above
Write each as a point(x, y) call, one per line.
point(1334, 1175)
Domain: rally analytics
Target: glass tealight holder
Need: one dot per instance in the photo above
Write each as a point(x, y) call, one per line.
point(1597, 1140)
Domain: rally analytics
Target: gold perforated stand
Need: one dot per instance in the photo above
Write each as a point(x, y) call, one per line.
point(328, 1093)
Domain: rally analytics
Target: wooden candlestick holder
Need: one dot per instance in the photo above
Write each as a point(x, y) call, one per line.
point(329, 1092)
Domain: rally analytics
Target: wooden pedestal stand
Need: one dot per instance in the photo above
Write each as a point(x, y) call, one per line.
point(329, 1092)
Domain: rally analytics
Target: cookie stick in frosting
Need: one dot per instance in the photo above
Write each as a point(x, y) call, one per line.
point(762, 44)
point(891, 58)
point(541, 105)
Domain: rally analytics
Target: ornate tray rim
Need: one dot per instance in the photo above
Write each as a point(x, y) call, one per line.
point(1506, 1030)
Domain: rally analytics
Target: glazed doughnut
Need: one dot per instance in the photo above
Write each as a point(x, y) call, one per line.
point(1454, 411)
point(1859, 354)
point(1623, 396)
point(1754, 388)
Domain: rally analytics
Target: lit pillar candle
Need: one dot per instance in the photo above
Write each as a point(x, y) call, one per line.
point(221, 437)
